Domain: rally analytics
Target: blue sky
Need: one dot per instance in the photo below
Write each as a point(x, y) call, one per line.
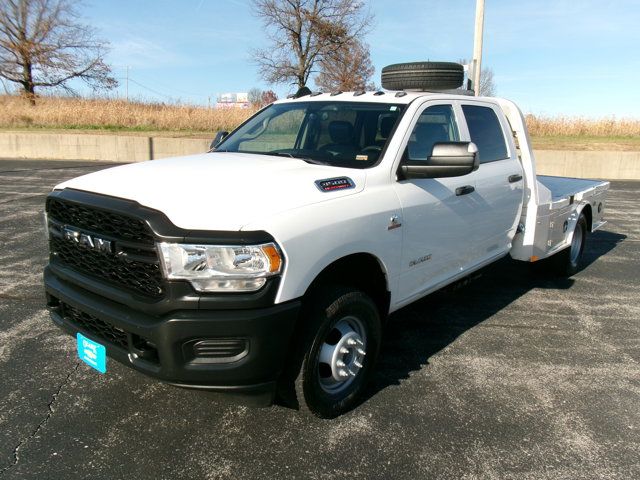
point(574, 58)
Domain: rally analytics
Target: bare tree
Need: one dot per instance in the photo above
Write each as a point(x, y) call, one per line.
point(487, 85)
point(42, 44)
point(302, 33)
point(348, 68)
point(255, 97)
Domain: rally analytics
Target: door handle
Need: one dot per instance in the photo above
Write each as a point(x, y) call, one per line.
point(515, 178)
point(464, 190)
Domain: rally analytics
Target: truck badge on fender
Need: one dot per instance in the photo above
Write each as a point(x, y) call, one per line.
point(415, 262)
point(338, 183)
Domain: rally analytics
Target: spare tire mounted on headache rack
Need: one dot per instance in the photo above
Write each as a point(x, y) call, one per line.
point(422, 76)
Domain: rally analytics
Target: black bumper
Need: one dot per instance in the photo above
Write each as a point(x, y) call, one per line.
point(162, 346)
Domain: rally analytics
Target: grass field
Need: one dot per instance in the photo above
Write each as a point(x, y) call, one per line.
point(54, 113)
point(110, 115)
point(567, 133)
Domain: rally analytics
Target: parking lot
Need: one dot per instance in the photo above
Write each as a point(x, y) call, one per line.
point(512, 376)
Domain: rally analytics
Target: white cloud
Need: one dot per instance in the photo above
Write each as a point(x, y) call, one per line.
point(137, 52)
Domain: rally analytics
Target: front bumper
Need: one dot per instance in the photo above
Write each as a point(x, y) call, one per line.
point(162, 346)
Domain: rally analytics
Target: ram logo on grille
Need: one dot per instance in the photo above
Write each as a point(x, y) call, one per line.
point(87, 241)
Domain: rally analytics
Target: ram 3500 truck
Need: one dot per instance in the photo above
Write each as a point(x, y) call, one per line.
point(270, 263)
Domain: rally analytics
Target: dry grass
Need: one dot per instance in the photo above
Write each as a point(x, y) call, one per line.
point(174, 119)
point(582, 127)
point(55, 113)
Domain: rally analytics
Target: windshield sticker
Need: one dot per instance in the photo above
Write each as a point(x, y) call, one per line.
point(393, 108)
point(331, 184)
point(362, 157)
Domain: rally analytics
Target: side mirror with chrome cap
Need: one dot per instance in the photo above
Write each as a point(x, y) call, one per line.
point(447, 159)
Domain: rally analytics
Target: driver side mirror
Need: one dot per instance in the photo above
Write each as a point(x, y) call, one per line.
point(218, 138)
point(447, 159)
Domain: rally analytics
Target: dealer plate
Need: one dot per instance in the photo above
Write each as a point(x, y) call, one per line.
point(92, 353)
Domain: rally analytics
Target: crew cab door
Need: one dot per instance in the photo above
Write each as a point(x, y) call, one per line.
point(436, 212)
point(499, 183)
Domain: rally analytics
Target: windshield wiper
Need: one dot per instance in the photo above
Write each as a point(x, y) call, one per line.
point(313, 161)
point(299, 157)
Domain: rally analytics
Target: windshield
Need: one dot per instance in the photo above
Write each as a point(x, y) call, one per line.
point(345, 134)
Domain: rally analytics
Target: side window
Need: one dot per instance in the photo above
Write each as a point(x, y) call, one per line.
point(486, 133)
point(435, 124)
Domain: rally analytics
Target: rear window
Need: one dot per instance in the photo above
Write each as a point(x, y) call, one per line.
point(486, 133)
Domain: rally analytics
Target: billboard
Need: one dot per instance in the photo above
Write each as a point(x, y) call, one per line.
point(240, 99)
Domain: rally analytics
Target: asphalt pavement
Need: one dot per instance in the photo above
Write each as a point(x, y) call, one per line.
point(512, 376)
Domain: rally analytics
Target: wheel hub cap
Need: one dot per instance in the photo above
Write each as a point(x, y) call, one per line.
point(342, 355)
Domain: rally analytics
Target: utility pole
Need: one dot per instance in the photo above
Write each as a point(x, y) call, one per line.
point(127, 88)
point(477, 46)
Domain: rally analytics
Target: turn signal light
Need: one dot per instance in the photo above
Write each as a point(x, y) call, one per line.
point(275, 261)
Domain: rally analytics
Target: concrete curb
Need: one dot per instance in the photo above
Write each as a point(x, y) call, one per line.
point(612, 165)
point(74, 146)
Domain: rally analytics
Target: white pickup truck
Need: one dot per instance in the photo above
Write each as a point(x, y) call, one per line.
point(270, 263)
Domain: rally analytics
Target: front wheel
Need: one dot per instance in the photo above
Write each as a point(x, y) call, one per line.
point(340, 343)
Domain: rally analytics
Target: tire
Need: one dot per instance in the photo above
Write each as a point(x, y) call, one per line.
point(568, 261)
point(422, 76)
point(336, 318)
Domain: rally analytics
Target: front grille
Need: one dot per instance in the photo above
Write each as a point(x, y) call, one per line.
point(100, 221)
point(99, 328)
point(132, 265)
point(140, 277)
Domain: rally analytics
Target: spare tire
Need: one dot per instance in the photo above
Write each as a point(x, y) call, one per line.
point(422, 76)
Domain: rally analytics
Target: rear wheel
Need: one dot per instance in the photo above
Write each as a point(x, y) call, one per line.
point(339, 346)
point(568, 261)
point(577, 246)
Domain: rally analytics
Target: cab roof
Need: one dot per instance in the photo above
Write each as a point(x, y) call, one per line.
point(401, 97)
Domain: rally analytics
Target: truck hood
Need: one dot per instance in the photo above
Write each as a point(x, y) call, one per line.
point(218, 191)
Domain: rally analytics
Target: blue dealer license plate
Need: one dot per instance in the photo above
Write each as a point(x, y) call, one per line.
point(92, 353)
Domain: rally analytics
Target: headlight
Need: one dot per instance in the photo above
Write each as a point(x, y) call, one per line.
point(213, 268)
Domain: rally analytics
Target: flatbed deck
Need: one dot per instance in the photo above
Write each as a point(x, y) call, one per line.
point(565, 187)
